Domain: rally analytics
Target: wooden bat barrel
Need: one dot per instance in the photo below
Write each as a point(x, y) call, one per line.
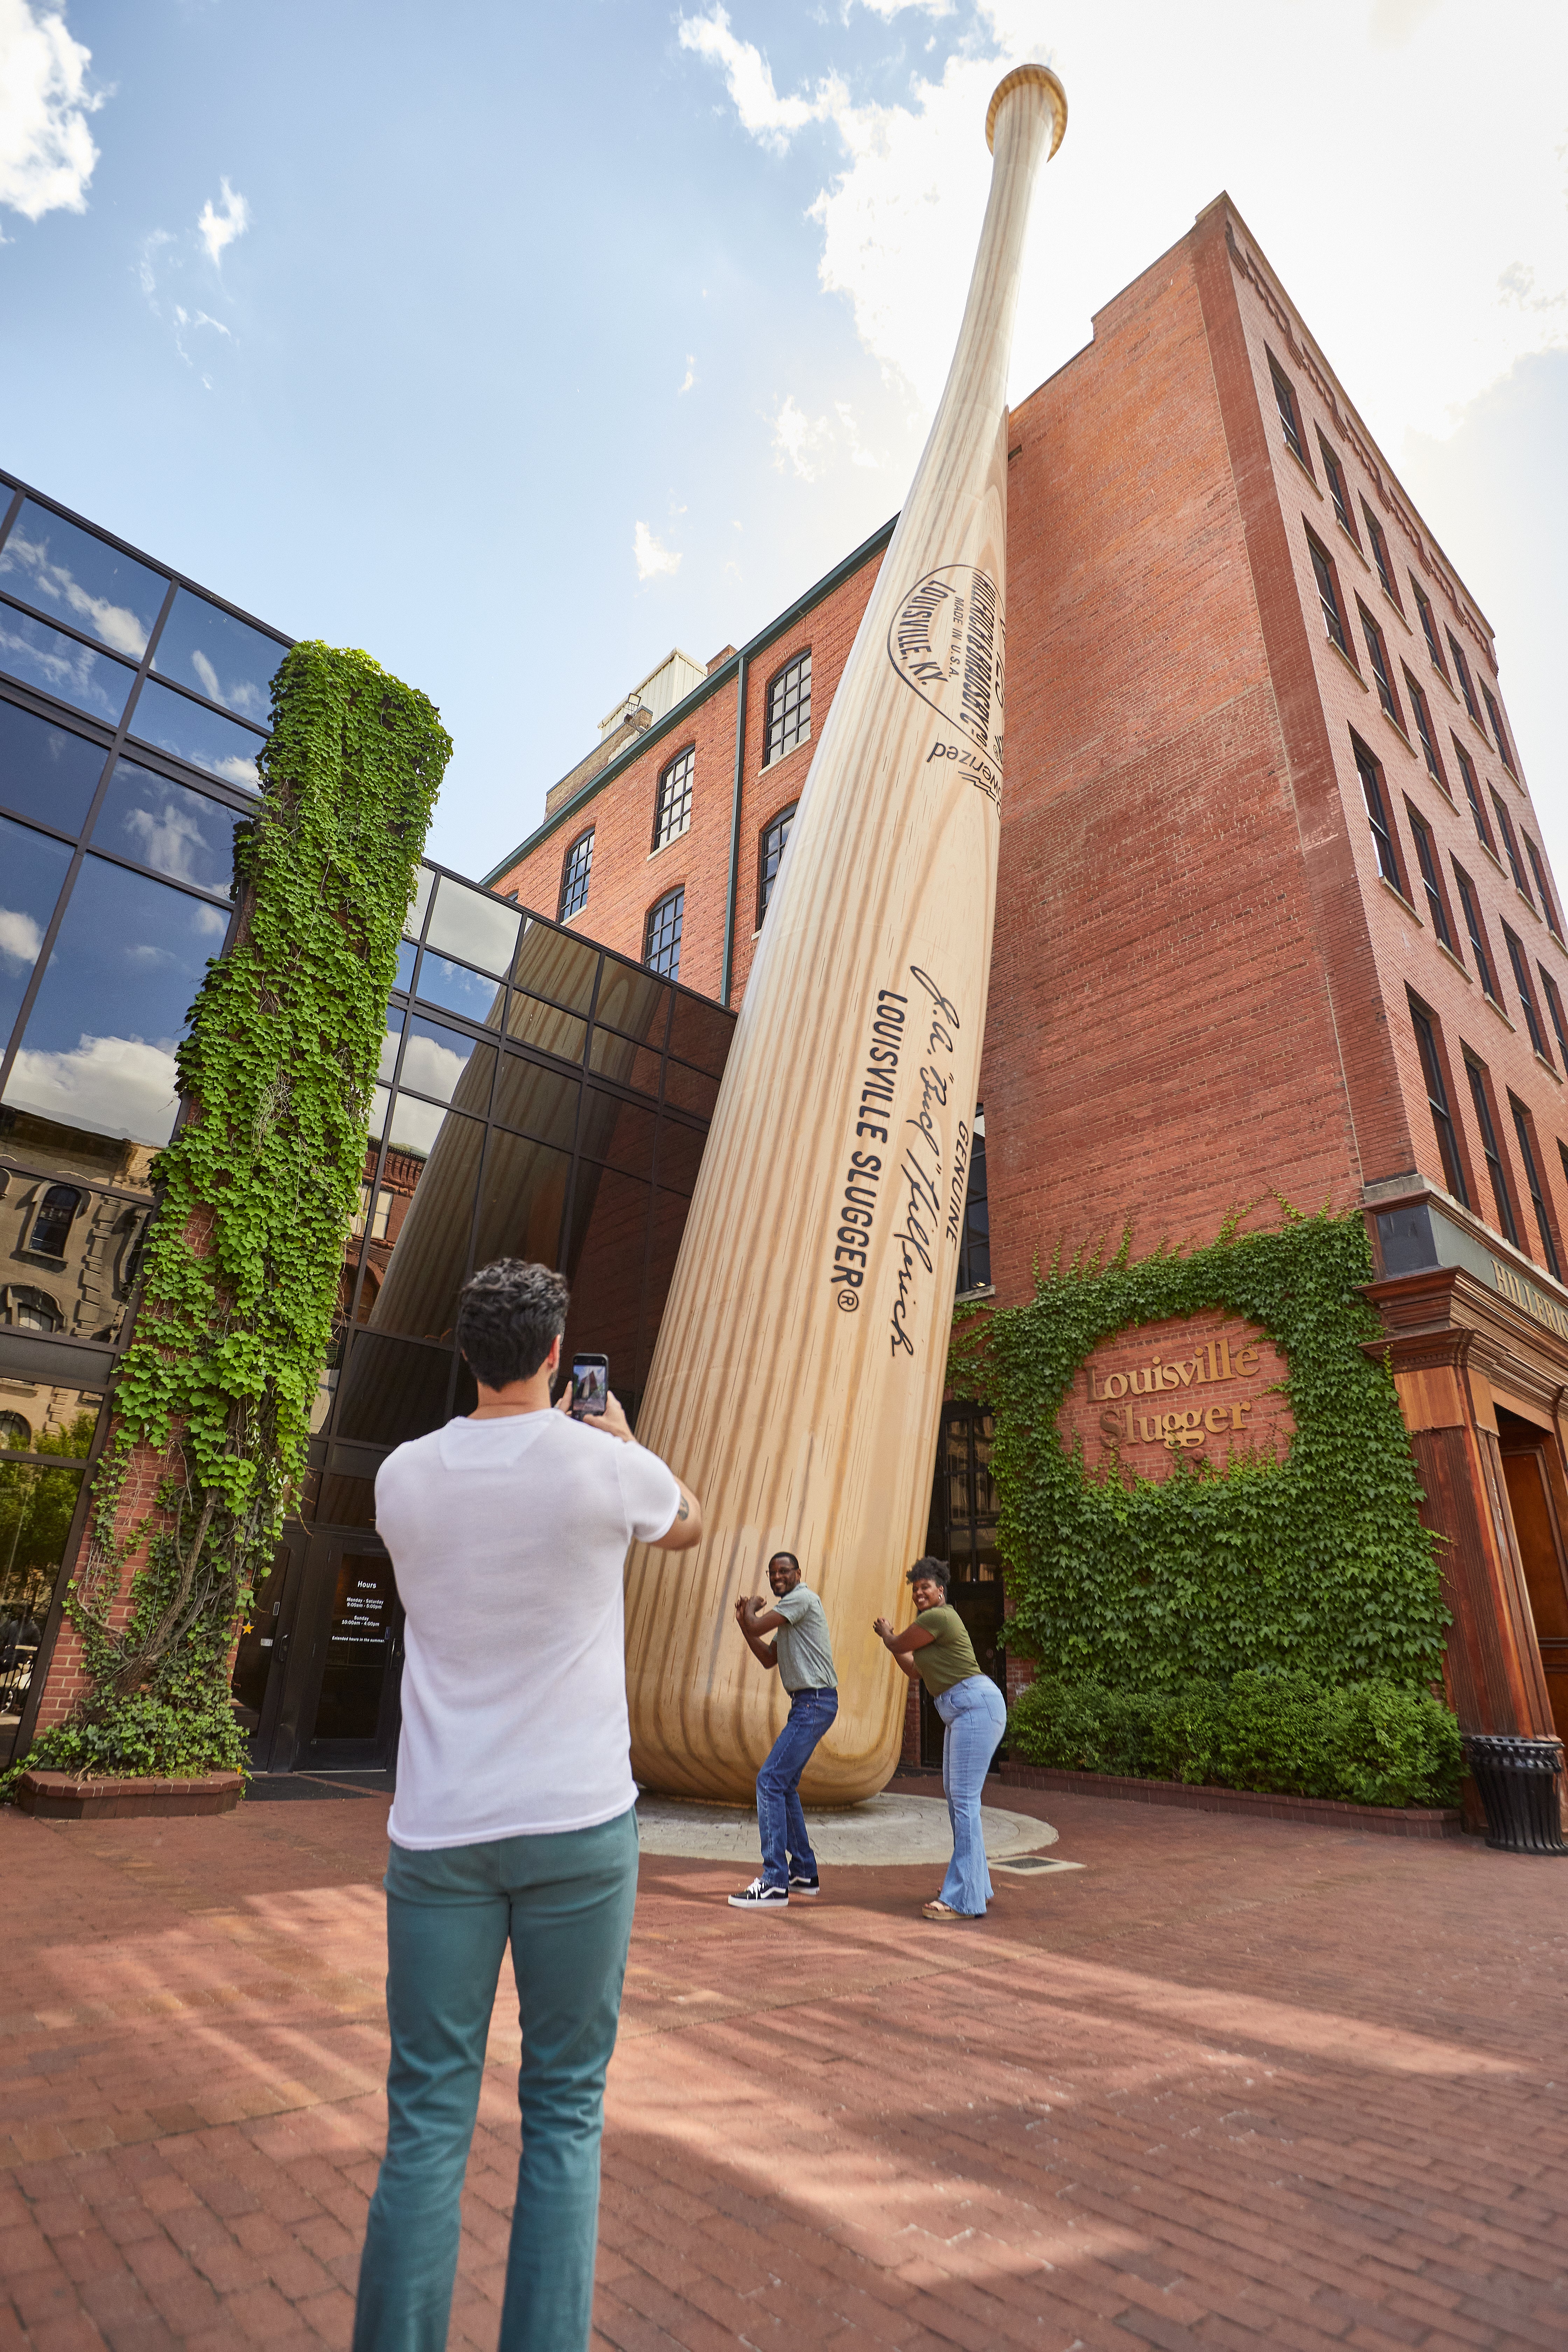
point(798, 1377)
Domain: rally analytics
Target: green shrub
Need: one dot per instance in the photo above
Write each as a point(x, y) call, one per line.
point(140, 1737)
point(1372, 1743)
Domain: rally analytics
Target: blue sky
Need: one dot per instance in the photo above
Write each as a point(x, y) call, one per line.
point(517, 344)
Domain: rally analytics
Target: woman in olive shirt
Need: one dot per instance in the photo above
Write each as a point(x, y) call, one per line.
point(937, 1651)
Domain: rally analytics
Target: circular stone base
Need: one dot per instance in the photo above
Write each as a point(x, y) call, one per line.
point(882, 1830)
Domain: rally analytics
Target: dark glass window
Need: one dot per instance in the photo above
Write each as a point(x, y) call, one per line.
point(1526, 993)
point(1285, 401)
point(1473, 926)
point(16, 1437)
point(789, 708)
point(61, 666)
point(1377, 817)
point(1554, 1006)
point(661, 938)
point(1329, 596)
point(472, 925)
point(672, 809)
point(229, 662)
point(1511, 846)
point(1379, 551)
point(1376, 653)
point(52, 1224)
point(1533, 1186)
point(1424, 729)
point(1429, 628)
point(176, 831)
point(1336, 485)
point(770, 857)
point(33, 869)
point(1488, 1147)
point(447, 1064)
point(975, 1248)
point(45, 772)
point(1495, 715)
point(452, 985)
point(1427, 861)
point(1437, 1097)
point(74, 576)
point(574, 875)
point(1462, 667)
point(1548, 905)
point(172, 722)
point(1472, 793)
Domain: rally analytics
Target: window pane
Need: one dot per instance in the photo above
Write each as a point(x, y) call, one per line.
point(32, 870)
point(631, 999)
point(389, 1044)
point(418, 1285)
point(553, 964)
point(80, 1246)
point(415, 1126)
point(701, 1033)
point(541, 1102)
point(37, 1506)
point(680, 1155)
point(220, 656)
point(47, 772)
point(616, 1131)
point(78, 578)
point(605, 1249)
point(392, 1391)
point(546, 1029)
point(661, 951)
point(186, 731)
point(521, 1201)
point(181, 833)
point(476, 928)
point(424, 883)
point(99, 1051)
point(447, 1064)
point(459, 990)
point(689, 1090)
point(56, 664)
point(406, 951)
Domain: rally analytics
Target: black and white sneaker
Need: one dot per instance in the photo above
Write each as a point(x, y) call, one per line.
point(758, 1897)
point(804, 1886)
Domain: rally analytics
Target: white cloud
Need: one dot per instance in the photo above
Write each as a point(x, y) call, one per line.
point(796, 440)
point(109, 1086)
point(432, 1068)
point(691, 371)
point(167, 839)
point(651, 558)
point(54, 587)
point(20, 938)
point(46, 156)
point(218, 229)
point(749, 78)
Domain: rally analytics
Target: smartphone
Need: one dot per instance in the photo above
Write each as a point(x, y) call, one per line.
point(590, 1385)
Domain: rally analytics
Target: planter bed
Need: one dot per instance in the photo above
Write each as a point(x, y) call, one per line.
point(1324, 1812)
point(61, 1797)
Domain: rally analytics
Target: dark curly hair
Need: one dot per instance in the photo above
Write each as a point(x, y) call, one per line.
point(937, 1571)
point(508, 1314)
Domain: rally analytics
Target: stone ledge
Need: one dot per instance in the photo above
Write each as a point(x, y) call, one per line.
point(1324, 1812)
point(61, 1797)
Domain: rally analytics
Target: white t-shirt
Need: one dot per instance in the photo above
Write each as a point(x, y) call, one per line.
point(508, 1537)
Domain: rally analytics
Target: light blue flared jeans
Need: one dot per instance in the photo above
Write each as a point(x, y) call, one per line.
point(976, 1714)
point(565, 1904)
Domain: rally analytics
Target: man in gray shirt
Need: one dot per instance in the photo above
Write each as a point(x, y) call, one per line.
point(803, 1653)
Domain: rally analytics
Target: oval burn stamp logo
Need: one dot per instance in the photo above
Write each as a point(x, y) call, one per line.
point(946, 642)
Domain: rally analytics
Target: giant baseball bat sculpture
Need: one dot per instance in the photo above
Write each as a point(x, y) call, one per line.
point(798, 1376)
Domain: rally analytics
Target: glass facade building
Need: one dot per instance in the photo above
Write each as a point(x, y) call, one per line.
point(540, 1097)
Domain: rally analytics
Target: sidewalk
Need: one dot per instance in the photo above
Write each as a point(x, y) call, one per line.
point(1233, 2083)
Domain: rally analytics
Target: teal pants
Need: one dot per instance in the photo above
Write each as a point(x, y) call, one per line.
point(565, 1904)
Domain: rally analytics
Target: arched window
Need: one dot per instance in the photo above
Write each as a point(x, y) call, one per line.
point(15, 1435)
point(770, 857)
point(672, 810)
point(33, 1310)
point(52, 1224)
point(661, 938)
point(789, 708)
point(575, 875)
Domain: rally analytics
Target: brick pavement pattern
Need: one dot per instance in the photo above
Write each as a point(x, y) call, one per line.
point(1233, 2083)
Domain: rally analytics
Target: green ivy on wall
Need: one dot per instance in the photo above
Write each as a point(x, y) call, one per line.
point(1316, 1564)
point(256, 1192)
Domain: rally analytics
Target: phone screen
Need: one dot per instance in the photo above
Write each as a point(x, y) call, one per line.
point(590, 1384)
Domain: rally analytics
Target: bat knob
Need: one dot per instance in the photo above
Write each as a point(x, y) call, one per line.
point(1020, 75)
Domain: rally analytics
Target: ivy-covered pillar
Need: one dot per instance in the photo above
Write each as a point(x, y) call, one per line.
point(256, 1195)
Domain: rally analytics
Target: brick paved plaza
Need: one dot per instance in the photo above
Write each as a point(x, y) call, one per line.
point(1233, 2082)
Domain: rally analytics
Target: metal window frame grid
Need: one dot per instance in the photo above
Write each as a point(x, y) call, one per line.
point(672, 800)
point(787, 708)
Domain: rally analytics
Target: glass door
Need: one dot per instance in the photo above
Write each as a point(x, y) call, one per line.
point(963, 1531)
point(356, 1712)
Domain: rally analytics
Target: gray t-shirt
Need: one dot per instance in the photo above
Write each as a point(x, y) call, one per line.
point(805, 1653)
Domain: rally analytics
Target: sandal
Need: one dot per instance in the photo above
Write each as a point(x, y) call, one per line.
point(941, 1910)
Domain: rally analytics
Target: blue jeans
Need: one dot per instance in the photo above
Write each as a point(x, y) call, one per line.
point(976, 1714)
point(779, 1815)
point(565, 1903)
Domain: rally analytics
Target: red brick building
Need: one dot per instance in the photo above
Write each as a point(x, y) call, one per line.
point(1275, 913)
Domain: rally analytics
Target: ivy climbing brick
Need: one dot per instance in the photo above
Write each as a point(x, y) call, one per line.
point(1317, 1565)
point(256, 1191)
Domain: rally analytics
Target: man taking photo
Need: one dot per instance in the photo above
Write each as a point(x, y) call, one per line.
point(802, 1656)
point(514, 1821)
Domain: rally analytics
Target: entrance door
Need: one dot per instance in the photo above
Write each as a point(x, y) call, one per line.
point(963, 1531)
point(261, 1662)
point(1540, 1547)
point(356, 1713)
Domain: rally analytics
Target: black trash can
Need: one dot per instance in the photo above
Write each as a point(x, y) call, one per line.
point(1518, 1783)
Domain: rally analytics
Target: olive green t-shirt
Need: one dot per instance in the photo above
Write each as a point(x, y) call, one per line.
point(949, 1656)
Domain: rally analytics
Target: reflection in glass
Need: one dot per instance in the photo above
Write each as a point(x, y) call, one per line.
point(459, 990)
point(415, 1126)
point(611, 1055)
point(606, 1247)
point(44, 770)
point(78, 1248)
point(521, 1201)
point(220, 656)
point(393, 1390)
point(406, 953)
point(32, 869)
point(77, 578)
point(180, 833)
point(389, 1044)
point(701, 1033)
point(424, 883)
point(541, 1102)
point(555, 964)
point(98, 1050)
point(689, 1090)
point(258, 1642)
point(632, 1000)
point(447, 1064)
point(534, 1023)
point(472, 926)
point(173, 724)
point(380, 1101)
point(680, 1155)
point(359, 1643)
point(339, 1501)
point(616, 1131)
point(58, 665)
point(417, 1291)
point(40, 1148)
point(37, 1505)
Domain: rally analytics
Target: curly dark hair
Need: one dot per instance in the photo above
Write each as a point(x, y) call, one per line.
point(507, 1316)
point(937, 1571)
